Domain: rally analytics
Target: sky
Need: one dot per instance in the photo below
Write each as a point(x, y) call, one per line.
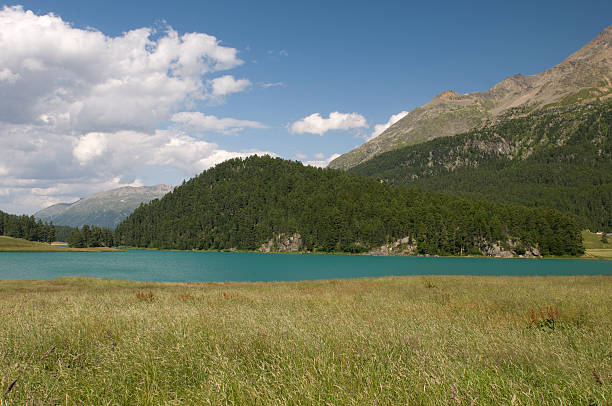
point(99, 95)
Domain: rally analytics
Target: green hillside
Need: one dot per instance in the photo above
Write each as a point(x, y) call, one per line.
point(559, 158)
point(278, 205)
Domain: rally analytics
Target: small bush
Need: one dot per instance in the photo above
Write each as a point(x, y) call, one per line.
point(544, 320)
point(147, 296)
point(186, 296)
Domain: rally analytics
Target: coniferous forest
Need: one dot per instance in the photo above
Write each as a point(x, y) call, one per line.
point(558, 158)
point(26, 227)
point(243, 203)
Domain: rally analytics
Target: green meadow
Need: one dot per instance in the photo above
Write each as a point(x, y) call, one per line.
point(595, 248)
point(398, 340)
point(10, 244)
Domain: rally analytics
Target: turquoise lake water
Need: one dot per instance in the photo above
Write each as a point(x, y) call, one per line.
point(174, 266)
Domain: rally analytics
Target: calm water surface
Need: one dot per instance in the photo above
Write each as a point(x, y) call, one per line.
point(173, 266)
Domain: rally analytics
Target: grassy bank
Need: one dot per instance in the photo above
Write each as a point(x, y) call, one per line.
point(10, 244)
point(409, 340)
point(595, 248)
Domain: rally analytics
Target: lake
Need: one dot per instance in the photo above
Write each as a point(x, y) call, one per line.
point(180, 266)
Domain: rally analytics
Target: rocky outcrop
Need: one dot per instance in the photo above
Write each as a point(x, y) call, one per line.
point(401, 247)
point(283, 243)
point(509, 249)
point(506, 249)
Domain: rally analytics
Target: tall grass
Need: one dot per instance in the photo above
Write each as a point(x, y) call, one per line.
point(409, 340)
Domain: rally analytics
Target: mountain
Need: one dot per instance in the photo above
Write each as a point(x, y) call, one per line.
point(584, 77)
point(556, 157)
point(104, 209)
point(270, 204)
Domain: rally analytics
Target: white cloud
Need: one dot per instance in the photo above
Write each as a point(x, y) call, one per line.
point(124, 150)
point(89, 147)
point(315, 124)
point(7, 76)
point(321, 163)
point(282, 52)
point(195, 121)
point(273, 84)
point(86, 81)
point(380, 128)
point(80, 111)
point(298, 155)
point(224, 85)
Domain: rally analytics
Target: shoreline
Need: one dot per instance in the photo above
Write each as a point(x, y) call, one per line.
point(583, 257)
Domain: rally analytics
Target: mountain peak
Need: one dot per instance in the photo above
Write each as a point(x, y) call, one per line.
point(585, 76)
point(449, 95)
point(105, 209)
point(597, 51)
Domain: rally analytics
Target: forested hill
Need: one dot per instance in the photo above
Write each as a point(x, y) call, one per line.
point(273, 204)
point(559, 158)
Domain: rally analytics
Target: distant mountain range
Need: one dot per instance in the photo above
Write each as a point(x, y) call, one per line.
point(584, 77)
point(104, 209)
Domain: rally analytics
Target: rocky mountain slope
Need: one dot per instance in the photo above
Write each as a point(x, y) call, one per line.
point(104, 209)
point(583, 77)
point(558, 157)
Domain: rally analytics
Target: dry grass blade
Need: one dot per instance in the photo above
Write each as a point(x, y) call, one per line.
point(49, 351)
point(11, 386)
point(597, 377)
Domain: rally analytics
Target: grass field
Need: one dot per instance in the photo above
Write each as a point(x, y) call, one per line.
point(387, 341)
point(9, 244)
point(594, 248)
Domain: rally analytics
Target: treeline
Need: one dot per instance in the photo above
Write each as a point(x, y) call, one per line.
point(559, 158)
point(243, 203)
point(29, 228)
point(26, 227)
point(91, 236)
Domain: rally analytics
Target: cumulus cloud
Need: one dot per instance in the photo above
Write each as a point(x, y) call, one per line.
point(126, 150)
point(321, 163)
point(7, 76)
point(380, 128)
point(196, 121)
point(84, 80)
point(80, 111)
point(315, 124)
point(224, 85)
point(89, 146)
point(32, 177)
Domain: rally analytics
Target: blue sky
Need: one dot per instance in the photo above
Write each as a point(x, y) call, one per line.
point(374, 59)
